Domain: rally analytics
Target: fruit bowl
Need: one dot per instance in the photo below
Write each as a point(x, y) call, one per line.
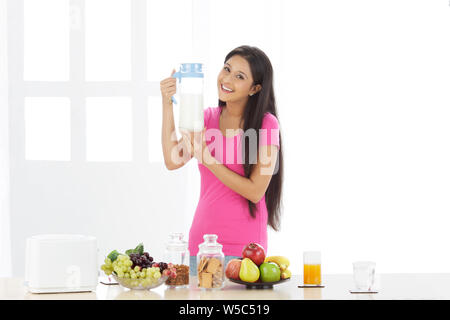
point(140, 284)
point(258, 284)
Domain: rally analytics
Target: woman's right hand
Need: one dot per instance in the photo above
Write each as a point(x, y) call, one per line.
point(168, 88)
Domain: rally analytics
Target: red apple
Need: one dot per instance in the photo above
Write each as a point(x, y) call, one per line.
point(255, 252)
point(233, 268)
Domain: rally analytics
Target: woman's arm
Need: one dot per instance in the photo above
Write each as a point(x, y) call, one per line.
point(175, 151)
point(254, 187)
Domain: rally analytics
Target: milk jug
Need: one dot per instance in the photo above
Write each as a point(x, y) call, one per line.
point(190, 92)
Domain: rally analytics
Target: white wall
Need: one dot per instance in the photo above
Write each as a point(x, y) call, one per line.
point(365, 121)
point(5, 249)
point(120, 204)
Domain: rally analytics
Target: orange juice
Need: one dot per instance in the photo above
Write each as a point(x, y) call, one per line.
point(311, 274)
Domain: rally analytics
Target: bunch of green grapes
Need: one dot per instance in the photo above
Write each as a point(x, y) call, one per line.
point(107, 267)
point(121, 266)
point(145, 276)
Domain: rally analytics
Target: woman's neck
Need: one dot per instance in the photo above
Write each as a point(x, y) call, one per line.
point(232, 116)
point(234, 110)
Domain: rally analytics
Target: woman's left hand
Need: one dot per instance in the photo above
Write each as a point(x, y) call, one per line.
point(200, 149)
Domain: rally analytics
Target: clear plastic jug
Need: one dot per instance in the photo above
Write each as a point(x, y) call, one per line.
point(190, 93)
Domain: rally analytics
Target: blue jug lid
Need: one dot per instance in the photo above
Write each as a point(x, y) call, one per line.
point(191, 67)
point(189, 70)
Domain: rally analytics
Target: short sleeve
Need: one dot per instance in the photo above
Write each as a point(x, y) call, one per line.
point(209, 117)
point(206, 117)
point(270, 131)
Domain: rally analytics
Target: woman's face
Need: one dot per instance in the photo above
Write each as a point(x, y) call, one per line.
point(235, 81)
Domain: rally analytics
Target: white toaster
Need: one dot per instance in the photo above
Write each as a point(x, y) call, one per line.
point(61, 263)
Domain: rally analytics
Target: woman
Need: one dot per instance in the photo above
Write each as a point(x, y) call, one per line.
point(239, 154)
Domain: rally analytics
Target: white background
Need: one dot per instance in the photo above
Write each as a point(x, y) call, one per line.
point(363, 97)
point(5, 245)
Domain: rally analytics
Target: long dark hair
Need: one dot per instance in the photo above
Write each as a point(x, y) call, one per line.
point(257, 106)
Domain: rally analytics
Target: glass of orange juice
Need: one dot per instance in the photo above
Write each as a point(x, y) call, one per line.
point(312, 274)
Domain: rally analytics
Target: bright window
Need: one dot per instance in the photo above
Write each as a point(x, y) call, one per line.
point(108, 40)
point(108, 129)
point(47, 128)
point(46, 40)
point(154, 129)
point(169, 36)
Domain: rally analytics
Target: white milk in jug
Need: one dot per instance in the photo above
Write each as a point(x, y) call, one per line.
point(191, 112)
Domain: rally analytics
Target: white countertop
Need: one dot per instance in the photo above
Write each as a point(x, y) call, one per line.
point(391, 287)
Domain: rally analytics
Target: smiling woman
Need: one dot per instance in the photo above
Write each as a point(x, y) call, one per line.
point(251, 82)
point(240, 194)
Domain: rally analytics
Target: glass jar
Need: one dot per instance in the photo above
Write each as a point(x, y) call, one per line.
point(210, 263)
point(177, 253)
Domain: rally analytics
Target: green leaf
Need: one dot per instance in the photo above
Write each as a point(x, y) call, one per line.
point(113, 255)
point(139, 249)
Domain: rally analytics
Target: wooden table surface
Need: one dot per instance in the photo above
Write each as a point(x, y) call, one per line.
point(337, 287)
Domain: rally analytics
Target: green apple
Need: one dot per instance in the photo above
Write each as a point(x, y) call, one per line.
point(249, 271)
point(270, 272)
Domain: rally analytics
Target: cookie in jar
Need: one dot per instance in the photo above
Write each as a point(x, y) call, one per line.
point(210, 263)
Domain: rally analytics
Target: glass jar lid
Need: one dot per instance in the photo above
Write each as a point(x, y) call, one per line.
point(176, 242)
point(210, 244)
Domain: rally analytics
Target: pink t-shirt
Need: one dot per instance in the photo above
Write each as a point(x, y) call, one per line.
point(221, 210)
